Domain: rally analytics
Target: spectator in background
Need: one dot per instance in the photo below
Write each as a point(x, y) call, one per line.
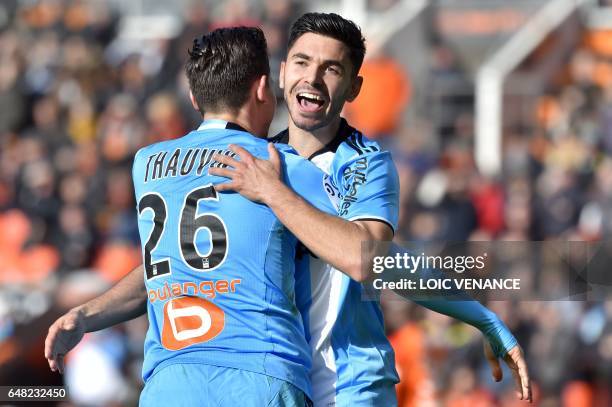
point(383, 98)
point(12, 101)
point(164, 119)
point(76, 101)
point(416, 387)
point(120, 131)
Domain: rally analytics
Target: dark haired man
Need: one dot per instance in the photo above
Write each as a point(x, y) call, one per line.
point(351, 160)
point(352, 358)
point(218, 269)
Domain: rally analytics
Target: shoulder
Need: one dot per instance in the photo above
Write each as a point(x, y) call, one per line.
point(353, 141)
point(288, 151)
point(356, 143)
point(357, 149)
point(147, 153)
point(294, 161)
point(298, 169)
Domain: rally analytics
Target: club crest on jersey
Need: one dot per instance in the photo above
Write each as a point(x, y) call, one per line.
point(332, 191)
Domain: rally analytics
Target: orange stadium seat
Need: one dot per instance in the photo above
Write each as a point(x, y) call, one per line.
point(384, 95)
point(600, 41)
point(116, 260)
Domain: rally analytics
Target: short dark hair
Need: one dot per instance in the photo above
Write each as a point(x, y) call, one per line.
point(334, 26)
point(223, 64)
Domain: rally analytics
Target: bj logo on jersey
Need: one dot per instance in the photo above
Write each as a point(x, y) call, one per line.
point(190, 320)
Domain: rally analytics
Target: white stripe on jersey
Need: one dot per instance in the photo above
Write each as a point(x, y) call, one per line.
point(324, 161)
point(326, 285)
point(332, 292)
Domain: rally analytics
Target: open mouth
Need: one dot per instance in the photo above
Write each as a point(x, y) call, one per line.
point(310, 102)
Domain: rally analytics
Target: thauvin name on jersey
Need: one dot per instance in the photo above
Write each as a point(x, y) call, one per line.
point(164, 164)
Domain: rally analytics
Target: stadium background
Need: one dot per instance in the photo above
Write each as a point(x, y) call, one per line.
point(84, 84)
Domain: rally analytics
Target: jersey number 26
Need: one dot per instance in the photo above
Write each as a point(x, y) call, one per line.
point(188, 227)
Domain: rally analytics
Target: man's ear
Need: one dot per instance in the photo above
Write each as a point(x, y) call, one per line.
point(260, 91)
point(355, 88)
point(281, 76)
point(193, 101)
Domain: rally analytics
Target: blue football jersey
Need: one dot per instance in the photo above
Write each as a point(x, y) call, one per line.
point(219, 269)
point(351, 353)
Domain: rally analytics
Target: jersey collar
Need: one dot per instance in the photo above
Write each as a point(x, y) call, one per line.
point(343, 132)
point(220, 124)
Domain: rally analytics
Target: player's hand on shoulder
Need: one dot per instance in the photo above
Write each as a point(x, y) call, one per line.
point(64, 334)
point(254, 178)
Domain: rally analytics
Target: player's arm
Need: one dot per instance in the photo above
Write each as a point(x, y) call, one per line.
point(124, 301)
point(335, 240)
point(329, 237)
point(499, 343)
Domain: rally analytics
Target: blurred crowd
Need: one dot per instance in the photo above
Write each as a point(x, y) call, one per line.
point(556, 187)
point(78, 98)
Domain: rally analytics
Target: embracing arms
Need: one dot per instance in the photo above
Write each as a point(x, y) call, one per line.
point(333, 239)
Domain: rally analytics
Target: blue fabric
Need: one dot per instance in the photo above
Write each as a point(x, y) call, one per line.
point(221, 276)
point(201, 385)
point(368, 183)
point(362, 366)
point(373, 394)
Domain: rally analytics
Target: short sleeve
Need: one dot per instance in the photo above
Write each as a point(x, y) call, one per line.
point(369, 188)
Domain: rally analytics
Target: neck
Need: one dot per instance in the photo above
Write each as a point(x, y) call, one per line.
point(307, 142)
point(241, 118)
